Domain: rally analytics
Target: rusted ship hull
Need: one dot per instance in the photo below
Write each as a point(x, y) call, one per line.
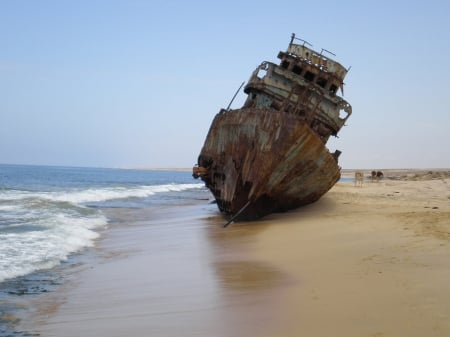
point(260, 161)
point(270, 155)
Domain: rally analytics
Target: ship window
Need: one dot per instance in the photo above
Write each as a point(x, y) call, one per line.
point(285, 64)
point(322, 82)
point(309, 76)
point(297, 70)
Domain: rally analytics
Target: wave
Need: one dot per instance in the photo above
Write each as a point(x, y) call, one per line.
point(40, 229)
point(80, 196)
point(114, 193)
point(50, 241)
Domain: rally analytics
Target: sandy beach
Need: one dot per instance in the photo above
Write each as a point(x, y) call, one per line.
point(362, 261)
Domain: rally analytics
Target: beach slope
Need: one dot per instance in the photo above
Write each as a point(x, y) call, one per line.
point(362, 261)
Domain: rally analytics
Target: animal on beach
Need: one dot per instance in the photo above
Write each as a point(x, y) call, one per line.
point(359, 178)
point(376, 176)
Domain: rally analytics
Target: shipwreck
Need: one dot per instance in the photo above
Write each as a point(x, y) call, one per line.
point(270, 155)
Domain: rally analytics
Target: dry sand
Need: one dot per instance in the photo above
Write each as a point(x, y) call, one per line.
point(362, 261)
point(370, 261)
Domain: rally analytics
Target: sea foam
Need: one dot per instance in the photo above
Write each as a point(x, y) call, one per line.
point(40, 229)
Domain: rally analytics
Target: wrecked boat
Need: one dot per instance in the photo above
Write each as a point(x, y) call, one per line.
point(270, 155)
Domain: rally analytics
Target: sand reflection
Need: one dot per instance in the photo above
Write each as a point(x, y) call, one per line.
point(248, 287)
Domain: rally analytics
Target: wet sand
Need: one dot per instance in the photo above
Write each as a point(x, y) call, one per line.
point(362, 261)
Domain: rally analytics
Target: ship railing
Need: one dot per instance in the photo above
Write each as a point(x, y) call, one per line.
point(317, 59)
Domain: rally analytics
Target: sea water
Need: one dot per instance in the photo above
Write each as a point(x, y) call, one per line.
point(49, 214)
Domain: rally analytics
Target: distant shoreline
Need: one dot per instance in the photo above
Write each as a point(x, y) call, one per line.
point(403, 174)
point(174, 169)
point(344, 170)
point(391, 173)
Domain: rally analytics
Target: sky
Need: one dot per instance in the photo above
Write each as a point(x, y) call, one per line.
point(137, 83)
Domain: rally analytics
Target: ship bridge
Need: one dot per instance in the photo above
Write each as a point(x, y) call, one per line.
point(313, 66)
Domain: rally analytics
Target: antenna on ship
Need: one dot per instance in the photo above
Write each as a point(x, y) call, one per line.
point(228, 107)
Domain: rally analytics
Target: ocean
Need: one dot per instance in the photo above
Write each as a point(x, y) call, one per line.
point(51, 216)
point(55, 223)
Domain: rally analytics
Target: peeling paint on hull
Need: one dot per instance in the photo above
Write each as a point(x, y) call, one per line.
point(267, 157)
